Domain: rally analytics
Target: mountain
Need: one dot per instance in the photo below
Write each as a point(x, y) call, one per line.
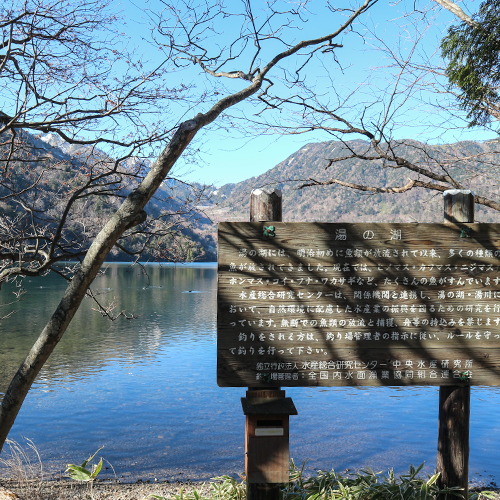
point(473, 163)
point(334, 203)
point(45, 171)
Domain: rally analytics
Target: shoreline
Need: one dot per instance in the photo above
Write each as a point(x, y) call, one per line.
point(12, 489)
point(99, 490)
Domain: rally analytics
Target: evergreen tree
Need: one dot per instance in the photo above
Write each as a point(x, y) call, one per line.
point(473, 50)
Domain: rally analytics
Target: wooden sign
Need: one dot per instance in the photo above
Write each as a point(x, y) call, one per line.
point(309, 304)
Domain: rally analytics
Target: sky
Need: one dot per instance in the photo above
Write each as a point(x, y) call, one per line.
point(235, 153)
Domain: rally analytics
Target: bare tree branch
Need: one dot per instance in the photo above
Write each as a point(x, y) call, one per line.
point(457, 11)
point(51, 106)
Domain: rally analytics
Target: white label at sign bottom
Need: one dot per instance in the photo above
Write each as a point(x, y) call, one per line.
point(269, 431)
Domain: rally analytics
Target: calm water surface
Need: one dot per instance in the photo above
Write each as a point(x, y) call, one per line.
point(146, 390)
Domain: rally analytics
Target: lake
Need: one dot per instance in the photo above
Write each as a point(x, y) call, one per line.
point(146, 389)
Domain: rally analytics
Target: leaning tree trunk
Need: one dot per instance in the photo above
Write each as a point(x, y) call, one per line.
point(128, 215)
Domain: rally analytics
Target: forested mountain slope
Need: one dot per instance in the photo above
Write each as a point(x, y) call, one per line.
point(336, 203)
point(44, 172)
point(476, 165)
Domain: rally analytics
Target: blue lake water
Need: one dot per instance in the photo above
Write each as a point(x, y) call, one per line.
point(146, 390)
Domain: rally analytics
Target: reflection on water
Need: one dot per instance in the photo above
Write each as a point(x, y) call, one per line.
point(146, 389)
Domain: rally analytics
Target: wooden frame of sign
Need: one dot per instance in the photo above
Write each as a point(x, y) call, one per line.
point(333, 304)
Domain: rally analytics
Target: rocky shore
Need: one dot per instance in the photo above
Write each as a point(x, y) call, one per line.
point(101, 490)
point(111, 490)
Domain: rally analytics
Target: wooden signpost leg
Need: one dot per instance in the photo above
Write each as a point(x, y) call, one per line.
point(453, 437)
point(454, 402)
point(265, 205)
point(263, 491)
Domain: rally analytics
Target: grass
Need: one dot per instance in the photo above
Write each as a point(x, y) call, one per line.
point(364, 485)
point(24, 466)
point(368, 485)
point(220, 488)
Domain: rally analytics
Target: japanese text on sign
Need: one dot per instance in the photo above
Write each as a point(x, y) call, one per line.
point(356, 304)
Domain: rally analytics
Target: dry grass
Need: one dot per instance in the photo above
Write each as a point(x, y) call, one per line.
point(66, 490)
point(23, 473)
point(23, 469)
point(23, 466)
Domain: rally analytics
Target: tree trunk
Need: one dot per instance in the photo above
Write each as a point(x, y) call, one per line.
point(130, 214)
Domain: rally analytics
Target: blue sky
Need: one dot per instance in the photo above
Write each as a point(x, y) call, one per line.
point(234, 154)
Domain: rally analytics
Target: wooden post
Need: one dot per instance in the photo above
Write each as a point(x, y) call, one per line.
point(454, 401)
point(458, 205)
point(265, 205)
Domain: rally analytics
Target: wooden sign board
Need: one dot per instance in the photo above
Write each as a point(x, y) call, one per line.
point(323, 304)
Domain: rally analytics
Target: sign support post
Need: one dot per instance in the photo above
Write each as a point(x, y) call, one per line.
point(356, 304)
point(265, 206)
point(454, 401)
